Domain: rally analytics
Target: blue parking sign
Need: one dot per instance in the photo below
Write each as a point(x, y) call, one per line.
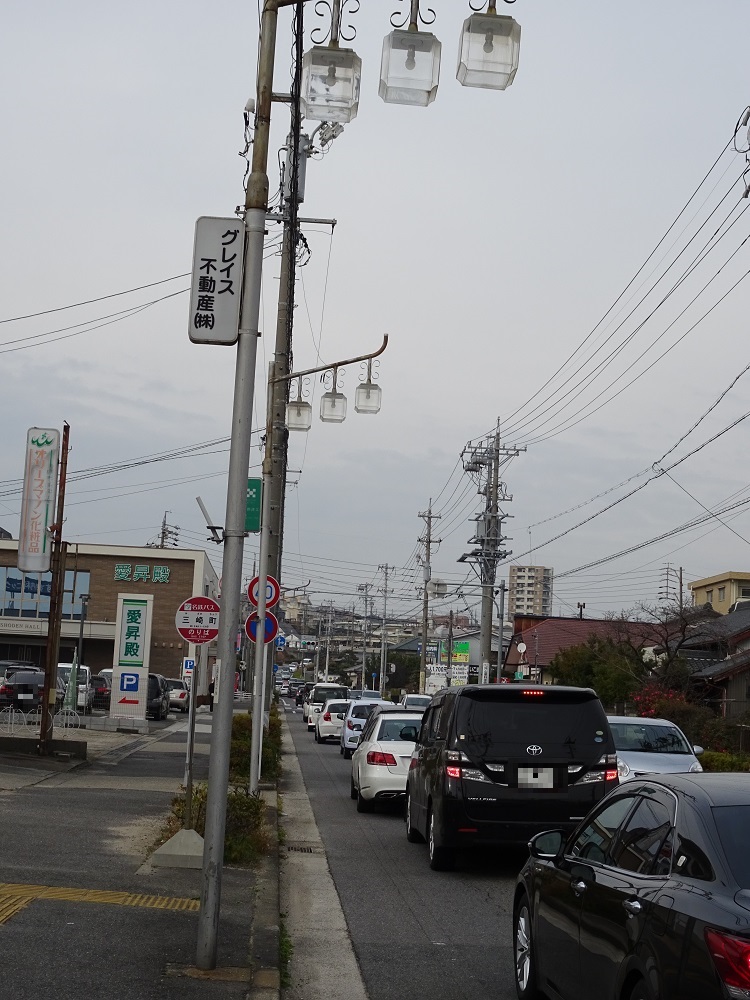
point(129, 682)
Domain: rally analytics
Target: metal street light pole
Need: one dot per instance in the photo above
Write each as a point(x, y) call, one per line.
point(256, 205)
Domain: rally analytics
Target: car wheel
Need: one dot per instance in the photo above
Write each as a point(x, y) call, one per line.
point(412, 833)
point(364, 805)
point(523, 950)
point(442, 859)
point(341, 750)
point(640, 991)
point(347, 754)
point(352, 789)
point(315, 734)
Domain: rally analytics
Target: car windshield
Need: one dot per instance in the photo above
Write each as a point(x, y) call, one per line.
point(361, 711)
point(499, 724)
point(732, 824)
point(27, 677)
point(338, 706)
point(649, 738)
point(176, 685)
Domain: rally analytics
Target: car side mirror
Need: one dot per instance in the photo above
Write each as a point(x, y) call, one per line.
point(697, 751)
point(547, 846)
point(409, 733)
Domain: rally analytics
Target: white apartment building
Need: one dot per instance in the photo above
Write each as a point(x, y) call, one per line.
point(530, 590)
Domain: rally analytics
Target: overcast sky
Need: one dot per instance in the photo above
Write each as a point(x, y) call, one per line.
point(487, 235)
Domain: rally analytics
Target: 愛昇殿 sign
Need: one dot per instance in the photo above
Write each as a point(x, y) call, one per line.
point(38, 502)
point(197, 619)
point(131, 657)
point(216, 281)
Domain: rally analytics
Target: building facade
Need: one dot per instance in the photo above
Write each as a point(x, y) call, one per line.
point(721, 591)
point(94, 576)
point(530, 590)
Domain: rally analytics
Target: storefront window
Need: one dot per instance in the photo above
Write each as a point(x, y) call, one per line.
point(27, 595)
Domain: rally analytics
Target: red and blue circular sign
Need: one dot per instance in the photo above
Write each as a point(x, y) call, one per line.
point(272, 627)
point(273, 591)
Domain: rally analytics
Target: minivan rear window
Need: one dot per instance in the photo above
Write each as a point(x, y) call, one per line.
point(503, 724)
point(322, 695)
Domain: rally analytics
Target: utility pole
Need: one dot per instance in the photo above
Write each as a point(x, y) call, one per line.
point(364, 588)
point(501, 631)
point(383, 640)
point(449, 667)
point(168, 535)
point(59, 552)
point(428, 517)
point(482, 462)
point(581, 608)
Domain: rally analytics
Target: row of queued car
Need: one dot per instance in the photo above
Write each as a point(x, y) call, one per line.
point(637, 884)
point(22, 686)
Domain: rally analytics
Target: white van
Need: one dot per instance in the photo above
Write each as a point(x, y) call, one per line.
point(85, 699)
point(317, 698)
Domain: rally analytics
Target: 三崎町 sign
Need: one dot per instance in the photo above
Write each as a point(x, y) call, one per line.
point(38, 502)
point(216, 281)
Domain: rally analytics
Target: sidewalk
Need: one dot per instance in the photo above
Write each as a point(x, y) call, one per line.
point(82, 910)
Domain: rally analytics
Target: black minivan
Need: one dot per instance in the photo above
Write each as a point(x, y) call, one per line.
point(496, 764)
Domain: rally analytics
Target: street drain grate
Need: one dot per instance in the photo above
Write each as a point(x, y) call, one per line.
point(301, 850)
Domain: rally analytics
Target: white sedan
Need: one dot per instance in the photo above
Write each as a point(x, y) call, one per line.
point(380, 764)
point(329, 720)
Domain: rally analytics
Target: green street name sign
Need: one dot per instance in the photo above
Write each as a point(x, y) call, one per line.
point(253, 504)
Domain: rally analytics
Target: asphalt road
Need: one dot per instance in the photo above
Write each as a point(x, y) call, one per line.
point(417, 934)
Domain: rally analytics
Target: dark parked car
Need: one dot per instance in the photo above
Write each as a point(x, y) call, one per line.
point(9, 667)
point(157, 703)
point(23, 691)
point(498, 763)
point(648, 899)
point(102, 684)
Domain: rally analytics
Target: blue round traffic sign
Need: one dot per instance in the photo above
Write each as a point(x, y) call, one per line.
point(271, 631)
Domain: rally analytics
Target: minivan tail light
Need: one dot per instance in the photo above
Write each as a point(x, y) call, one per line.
point(349, 724)
point(731, 957)
point(453, 772)
point(327, 717)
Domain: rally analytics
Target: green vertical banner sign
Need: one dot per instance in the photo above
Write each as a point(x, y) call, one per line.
point(253, 504)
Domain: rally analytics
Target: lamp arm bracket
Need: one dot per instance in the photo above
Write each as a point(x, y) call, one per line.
point(328, 367)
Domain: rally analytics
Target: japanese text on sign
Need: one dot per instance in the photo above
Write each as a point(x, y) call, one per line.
point(131, 574)
point(216, 281)
point(39, 489)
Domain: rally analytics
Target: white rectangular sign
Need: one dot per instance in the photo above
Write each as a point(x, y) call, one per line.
point(131, 656)
point(216, 282)
point(38, 503)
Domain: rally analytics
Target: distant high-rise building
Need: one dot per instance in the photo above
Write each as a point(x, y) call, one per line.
point(530, 590)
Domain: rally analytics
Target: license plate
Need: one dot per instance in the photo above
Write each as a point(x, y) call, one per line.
point(536, 777)
point(26, 697)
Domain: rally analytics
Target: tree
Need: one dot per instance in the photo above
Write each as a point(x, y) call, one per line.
point(613, 669)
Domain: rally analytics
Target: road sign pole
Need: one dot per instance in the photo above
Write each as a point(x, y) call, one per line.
point(256, 746)
point(198, 666)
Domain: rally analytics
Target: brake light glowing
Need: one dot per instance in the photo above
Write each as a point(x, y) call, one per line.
point(327, 717)
point(453, 772)
point(534, 694)
point(378, 757)
point(611, 775)
point(731, 957)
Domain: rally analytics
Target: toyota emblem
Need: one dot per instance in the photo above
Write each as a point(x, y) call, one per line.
point(534, 750)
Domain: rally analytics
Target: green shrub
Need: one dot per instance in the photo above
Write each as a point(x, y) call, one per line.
point(239, 753)
point(712, 760)
point(246, 835)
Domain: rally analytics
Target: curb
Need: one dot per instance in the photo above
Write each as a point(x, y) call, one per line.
point(264, 931)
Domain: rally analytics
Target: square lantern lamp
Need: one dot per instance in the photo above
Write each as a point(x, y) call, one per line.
point(330, 84)
point(488, 51)
point(367, 398)
point(333, 407)
point(410, 68)
point(298, 415)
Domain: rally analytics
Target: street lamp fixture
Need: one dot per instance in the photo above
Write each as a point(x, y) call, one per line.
point(488, 50)
point(298, 412)
point(333, 403)
point(331, 76)
point(368, 397)
point(410, 64)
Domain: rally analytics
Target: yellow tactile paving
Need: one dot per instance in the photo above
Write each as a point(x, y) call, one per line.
point(14, 897)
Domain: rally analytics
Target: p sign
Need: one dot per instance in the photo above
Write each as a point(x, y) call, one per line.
point(129, 682)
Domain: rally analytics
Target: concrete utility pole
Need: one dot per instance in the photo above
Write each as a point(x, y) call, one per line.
point(54, 623)
point(428, 517)
point(500, 632)
point(449, 664)
point(364, 588)
point(483, 462)
point(383, 640)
